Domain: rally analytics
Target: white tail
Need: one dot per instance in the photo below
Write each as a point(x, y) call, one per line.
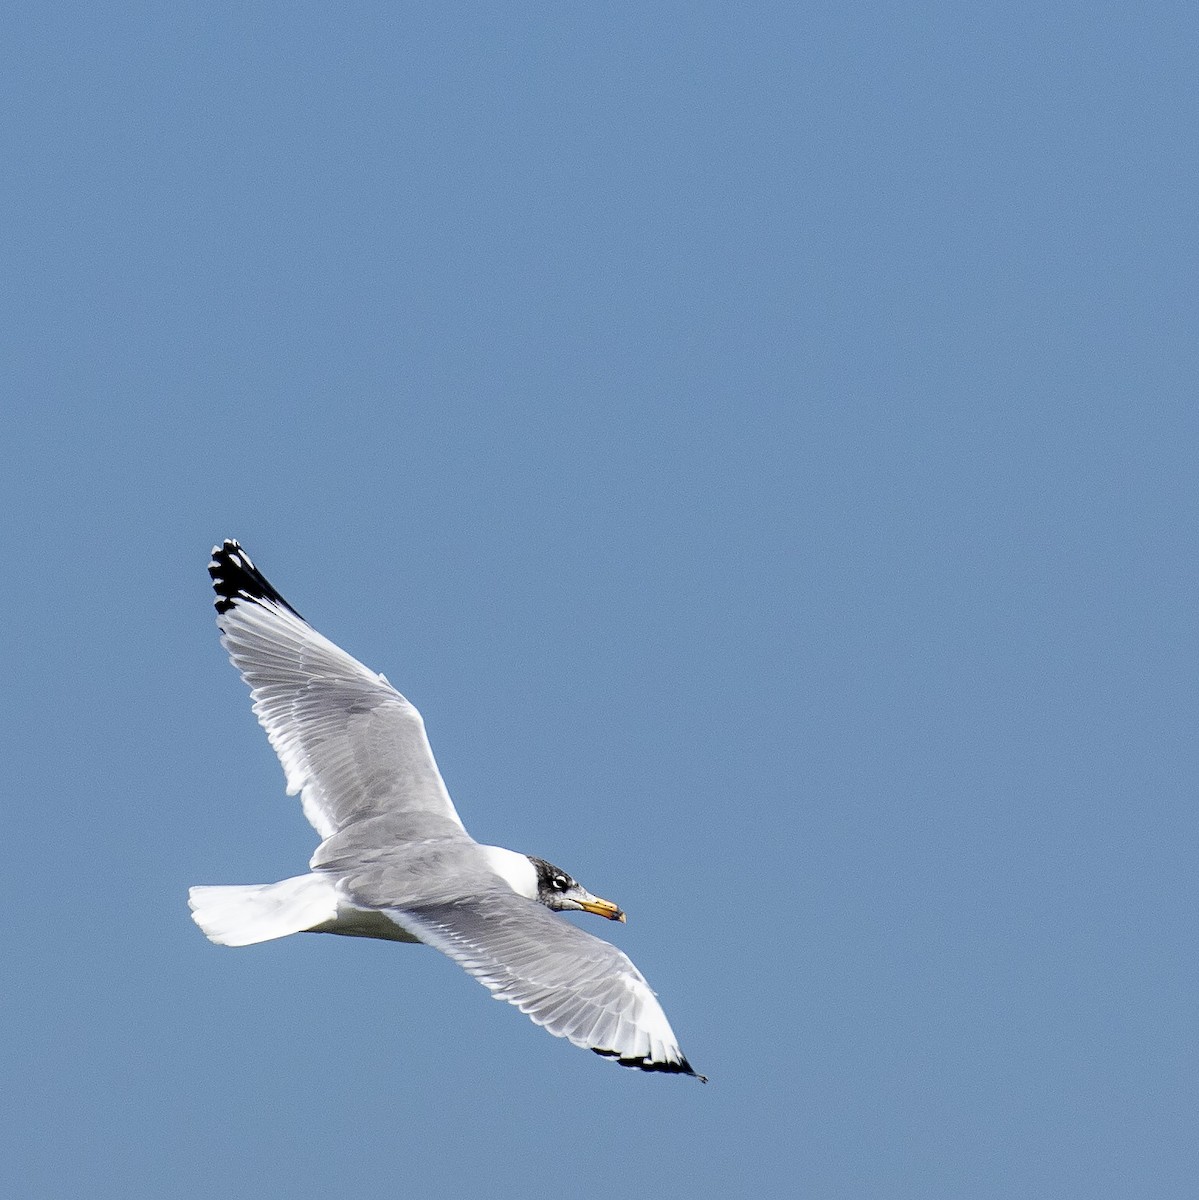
point(258, 912)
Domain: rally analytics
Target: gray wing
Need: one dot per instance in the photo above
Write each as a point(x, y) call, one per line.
point(573, 984)
point(350, 744)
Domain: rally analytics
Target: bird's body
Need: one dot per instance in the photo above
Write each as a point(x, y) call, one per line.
point(395, 861)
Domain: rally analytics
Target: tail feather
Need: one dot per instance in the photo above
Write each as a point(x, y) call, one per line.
point(244, 914)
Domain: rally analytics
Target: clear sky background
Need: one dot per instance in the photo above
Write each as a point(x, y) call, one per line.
point(762, 441)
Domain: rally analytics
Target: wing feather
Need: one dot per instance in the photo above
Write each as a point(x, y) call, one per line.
point(576, 986)
point(349, 743)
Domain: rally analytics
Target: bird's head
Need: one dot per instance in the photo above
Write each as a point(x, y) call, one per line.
point(557, 890)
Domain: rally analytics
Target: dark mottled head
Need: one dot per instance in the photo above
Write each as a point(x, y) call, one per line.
point(559, 891)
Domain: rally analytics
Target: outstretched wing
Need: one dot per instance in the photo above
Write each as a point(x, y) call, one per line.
point(573, 984)
point(350, 744)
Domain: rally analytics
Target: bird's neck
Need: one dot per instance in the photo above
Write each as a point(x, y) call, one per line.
point(514, 869)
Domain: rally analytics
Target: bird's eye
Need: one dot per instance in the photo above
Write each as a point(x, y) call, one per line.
point(560, 883)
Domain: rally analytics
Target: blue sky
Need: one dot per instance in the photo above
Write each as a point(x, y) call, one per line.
point(761, 441)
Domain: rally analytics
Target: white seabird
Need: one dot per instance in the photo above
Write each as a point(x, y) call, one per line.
point(395, 861)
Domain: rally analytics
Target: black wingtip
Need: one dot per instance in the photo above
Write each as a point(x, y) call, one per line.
point(682, 1067)
point(236, 578)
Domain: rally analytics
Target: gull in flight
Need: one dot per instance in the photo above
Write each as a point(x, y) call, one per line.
point(395, 861)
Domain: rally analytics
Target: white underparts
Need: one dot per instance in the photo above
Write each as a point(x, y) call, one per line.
point(245, 914)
